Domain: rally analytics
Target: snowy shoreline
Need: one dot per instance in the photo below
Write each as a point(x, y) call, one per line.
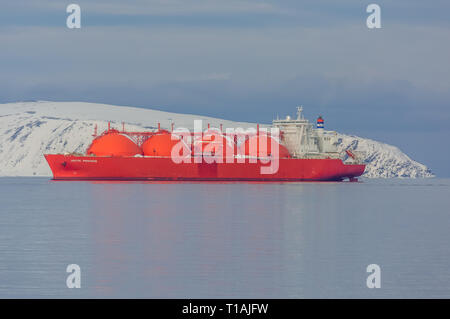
point(30, 129)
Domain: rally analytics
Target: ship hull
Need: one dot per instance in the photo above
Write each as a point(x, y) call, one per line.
point(70, 167)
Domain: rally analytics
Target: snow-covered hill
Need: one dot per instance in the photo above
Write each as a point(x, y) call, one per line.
point(30, 129)
point(383, 160)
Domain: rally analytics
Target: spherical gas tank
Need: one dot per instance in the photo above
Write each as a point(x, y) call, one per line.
point(114, 144)
point(259, 142)
point(162, 144)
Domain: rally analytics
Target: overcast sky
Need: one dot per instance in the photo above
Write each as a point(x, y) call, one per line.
point(247, 60)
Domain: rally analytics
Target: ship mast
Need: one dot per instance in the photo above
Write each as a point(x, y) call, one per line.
point(299, 112)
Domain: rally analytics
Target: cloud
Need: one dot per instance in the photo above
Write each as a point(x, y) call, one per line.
point(150, 7)
point(177, 7)
point(255, 56)
point(230, 13)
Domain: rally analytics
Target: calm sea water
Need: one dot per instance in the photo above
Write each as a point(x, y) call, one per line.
point(249, 240)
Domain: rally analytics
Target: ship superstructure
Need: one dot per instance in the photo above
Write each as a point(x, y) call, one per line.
point(304, 141)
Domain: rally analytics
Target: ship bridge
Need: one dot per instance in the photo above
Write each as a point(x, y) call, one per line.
point(303, 140)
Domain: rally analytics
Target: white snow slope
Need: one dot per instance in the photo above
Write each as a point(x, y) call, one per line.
point(30, 129)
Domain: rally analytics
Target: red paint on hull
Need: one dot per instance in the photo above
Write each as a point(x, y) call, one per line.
point(70, 167)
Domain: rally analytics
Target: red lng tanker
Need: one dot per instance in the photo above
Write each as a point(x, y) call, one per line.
point(293, 150)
